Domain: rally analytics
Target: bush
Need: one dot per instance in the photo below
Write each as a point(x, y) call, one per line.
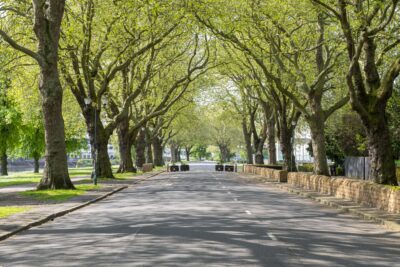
point(340, 171)
point(306, 167)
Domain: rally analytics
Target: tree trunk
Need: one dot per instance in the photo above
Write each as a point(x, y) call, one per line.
point(158, 152)
point(98, 142)
point(4, 163)
point(102, 160)
point(317, 127)
point(188, 150)
point(259, 158)
point(36, 158)
point(383, 168)
point(271, 141)
point(125, 141)
point(289, 161)
point(174, 157)
point(48, 18)
point(225, 153)
point(140, 149)
point(187, 154)
point(178, 154)
point(55, 174)
point(247, 140)
point(149, 149)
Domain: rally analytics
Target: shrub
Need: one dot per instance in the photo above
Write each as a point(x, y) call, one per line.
point(306, 167)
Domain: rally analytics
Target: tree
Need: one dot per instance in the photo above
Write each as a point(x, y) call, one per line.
point(367, 30)
point(32, 141)
point(98, 54)
point(175, 68)
point(10, 121)
point(47, 19)
point(225, 132)
point(295, 77)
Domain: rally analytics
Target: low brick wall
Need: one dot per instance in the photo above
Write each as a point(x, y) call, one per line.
point(363, 192)
point(269, 174)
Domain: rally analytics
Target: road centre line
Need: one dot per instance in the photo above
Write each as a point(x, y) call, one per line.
point(270, 235)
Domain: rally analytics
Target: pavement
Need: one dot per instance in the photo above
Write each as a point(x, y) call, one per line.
point(203, 219)
point(390, 221)
point(40, 210)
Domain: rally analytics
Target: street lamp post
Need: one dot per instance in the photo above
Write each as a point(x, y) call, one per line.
point(293, 146)
point(88, 102)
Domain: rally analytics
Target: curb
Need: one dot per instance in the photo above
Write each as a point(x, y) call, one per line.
point(331, 201)
point(53, 216)
point(352, 207)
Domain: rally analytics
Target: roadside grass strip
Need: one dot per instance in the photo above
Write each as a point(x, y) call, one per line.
point(77, 172)
point(10, 210)
point(20, 178)
point(59, 195)
point(128, 175)
point(10, 182)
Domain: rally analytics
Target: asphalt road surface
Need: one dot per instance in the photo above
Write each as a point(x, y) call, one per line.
point(203, 219)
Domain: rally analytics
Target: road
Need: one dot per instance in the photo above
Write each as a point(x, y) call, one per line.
point(203, 219)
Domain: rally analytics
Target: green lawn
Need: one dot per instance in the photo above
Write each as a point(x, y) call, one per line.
point(398, 163)
point(77, 172)
point(33, 178)
point(59, 195)
point(10, 210)
point(20, 178)
point(128, 175)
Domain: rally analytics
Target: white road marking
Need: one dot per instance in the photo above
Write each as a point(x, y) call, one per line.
point(270, 235)
point(248, 212)
point(229, 192)
point(235, 199)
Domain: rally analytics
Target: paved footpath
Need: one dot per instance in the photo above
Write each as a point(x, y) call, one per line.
point(203, 219)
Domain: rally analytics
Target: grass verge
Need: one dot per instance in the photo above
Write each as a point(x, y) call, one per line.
point(128, 175)
point(59, 195)
point(10, 210)
point(78, 172)
point(20, 178)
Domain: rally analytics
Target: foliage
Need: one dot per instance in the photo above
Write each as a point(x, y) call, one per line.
point(200, 152)
point(10, 119)
point(345, 136)
point(394, 120)
point(306, 167)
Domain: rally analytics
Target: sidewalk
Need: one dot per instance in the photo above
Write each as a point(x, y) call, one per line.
point(9, 196)
point(390, 221)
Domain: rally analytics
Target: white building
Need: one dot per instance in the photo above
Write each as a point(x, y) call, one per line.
point(86, 153)
point(301, 143)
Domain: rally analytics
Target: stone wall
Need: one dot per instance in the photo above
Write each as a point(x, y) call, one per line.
point(269, 174)
point(367, 193)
